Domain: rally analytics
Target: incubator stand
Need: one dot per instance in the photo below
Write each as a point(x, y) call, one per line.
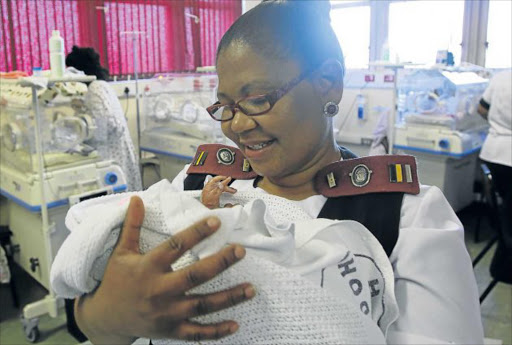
point(47, 165)
point(176, 121)
point(368, 101)
point(437, 122)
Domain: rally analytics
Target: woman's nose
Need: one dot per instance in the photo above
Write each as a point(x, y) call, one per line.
point(242, 123)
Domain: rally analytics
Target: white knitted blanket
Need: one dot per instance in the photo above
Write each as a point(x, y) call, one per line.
point(318, 281)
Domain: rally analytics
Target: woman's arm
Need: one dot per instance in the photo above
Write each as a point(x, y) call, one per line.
point(435, 285)
point(141, 297)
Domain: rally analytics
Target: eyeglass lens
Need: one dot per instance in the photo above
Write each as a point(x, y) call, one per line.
point(250, 106)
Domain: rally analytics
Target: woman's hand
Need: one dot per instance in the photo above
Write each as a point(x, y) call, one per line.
point(140, 296)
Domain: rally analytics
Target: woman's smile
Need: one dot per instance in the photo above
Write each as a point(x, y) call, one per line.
point(255, 149)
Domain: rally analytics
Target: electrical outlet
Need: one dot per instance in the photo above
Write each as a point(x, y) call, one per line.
point(366, 141)
point(126, 91)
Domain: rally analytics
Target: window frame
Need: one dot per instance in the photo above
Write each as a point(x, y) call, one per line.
point(474, 32)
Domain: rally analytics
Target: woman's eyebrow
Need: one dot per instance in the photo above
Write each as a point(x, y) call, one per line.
point(222, 95)
point(247, 89)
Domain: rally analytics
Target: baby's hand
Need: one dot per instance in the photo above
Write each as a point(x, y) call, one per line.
point(210, 196)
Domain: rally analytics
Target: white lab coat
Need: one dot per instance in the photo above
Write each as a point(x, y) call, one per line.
point(497, 147)
point(435, 286)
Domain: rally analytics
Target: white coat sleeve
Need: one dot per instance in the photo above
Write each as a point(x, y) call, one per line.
point(487, 95)
point(435, 285)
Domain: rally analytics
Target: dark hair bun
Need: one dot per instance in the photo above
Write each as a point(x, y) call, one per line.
point(86, 59)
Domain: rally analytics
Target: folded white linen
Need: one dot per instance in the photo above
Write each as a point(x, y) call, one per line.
point(317, 280)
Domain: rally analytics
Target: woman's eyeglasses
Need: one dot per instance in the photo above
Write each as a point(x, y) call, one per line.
point(253, 105)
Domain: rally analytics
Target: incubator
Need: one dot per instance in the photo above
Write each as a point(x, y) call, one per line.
point(436, 112)
point(437, 121)
point(72, 167)
point(176, 121)
point(64, 133)
point(47, 164)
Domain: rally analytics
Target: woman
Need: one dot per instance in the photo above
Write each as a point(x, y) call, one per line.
point(497, 154)
point(285, 50)
point(112, 139)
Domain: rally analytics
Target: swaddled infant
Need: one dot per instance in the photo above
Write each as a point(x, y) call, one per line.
point(318, 281)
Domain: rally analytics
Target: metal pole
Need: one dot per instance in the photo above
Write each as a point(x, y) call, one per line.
point(136, 75)
point(135, 71)
point(41, 169)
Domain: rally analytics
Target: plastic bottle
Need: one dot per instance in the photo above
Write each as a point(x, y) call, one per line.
point(37, 72)
point(361, 102)
point(56, 46)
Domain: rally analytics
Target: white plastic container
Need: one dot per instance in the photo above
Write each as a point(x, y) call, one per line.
point(57, 58)
point(37, 72)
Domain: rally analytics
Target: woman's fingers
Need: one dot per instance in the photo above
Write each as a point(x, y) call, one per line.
point(130, 234)
point(193, 331)
point(205, 269)
point(173, 248)
point(139, 296)
point(196, 305)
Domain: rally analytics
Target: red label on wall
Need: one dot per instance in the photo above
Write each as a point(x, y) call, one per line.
point(369, 78)
point(389, 78)
point(197, 85)
point(213, 83)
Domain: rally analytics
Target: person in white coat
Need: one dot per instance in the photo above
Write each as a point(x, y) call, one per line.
point(496, 107)
point(112, 138)
point(280, 71)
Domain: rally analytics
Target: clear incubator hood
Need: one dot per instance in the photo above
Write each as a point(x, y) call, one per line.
point(440, 98)
point(437, 112)
point(66, 126)
point(176, 105)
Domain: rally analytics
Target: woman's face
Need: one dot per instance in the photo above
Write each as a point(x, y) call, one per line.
point(285, 140)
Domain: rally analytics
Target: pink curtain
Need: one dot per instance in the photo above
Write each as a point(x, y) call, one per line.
point(26, 28)
point(216, 16)
point(168, 39)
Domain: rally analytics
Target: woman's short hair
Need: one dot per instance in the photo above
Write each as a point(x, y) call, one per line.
point(288, 30)
point(87, 60)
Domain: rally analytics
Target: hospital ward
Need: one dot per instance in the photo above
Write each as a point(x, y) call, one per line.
point(255, 172)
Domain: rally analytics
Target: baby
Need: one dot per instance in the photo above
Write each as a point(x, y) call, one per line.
point(318, 281)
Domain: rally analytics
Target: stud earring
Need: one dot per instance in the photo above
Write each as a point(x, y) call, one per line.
point(331, 109)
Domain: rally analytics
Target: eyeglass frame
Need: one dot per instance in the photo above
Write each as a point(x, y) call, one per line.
point(272, 97)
